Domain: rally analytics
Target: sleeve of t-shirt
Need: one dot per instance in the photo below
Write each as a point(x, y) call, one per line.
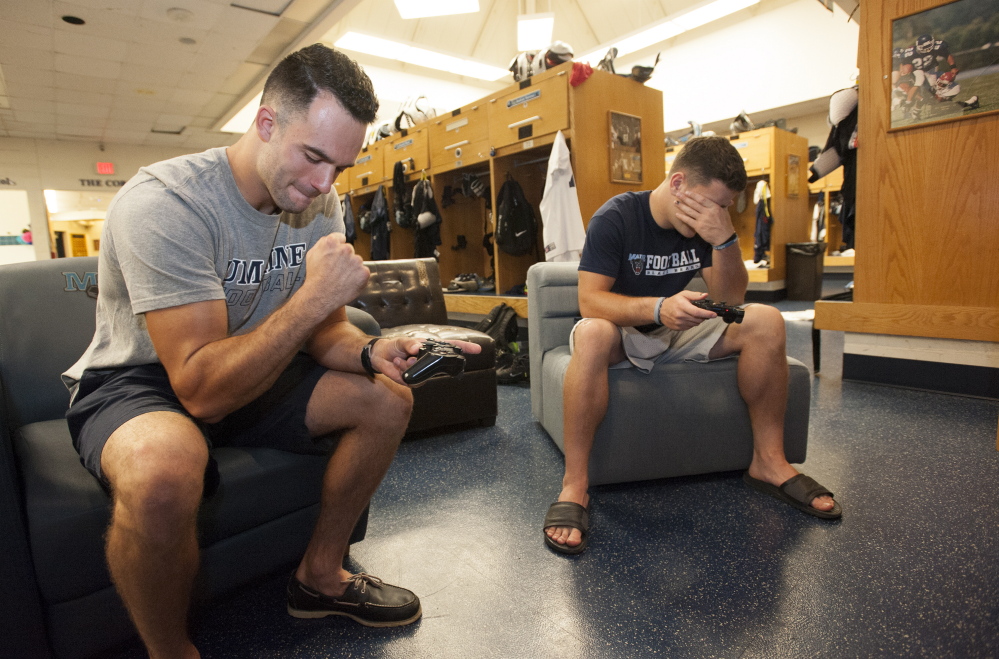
point(166, 251)
point(604, 246)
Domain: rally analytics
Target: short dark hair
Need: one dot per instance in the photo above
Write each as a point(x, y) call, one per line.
point(298, 78)
point(704, 159)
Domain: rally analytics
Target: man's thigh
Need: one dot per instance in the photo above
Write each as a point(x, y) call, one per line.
point(109, 400)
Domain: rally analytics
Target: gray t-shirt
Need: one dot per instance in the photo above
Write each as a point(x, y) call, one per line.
point(180, 232)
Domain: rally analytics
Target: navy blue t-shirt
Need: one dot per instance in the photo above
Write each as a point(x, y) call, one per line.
point(645, 260)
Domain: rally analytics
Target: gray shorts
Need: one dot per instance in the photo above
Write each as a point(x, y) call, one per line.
point(107, 399)
point(665, 346)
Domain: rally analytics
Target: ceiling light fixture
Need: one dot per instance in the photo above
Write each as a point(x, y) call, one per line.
point(411, 54)
point(669, 27)
point(534, 31)
point(427, 8)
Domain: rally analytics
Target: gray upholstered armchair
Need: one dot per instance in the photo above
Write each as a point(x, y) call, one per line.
point(680, 419)
point(57, 593)
point(405, 297)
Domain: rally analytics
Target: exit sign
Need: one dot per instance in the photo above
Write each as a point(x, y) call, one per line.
point(105, 168)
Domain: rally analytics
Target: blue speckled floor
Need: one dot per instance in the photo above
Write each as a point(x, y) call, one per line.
point(692, 567)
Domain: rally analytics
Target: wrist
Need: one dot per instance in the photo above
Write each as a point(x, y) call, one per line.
point(366, 357)
point(732, 240)
point(659, 308)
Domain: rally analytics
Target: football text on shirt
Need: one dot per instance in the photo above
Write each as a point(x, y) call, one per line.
point(658, 265)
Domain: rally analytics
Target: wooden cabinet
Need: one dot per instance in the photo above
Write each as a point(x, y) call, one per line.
point(509, 134)
point(369, 168)
point(537, 106)
point(780, 158)
point(409, 147)
point(830, 185)
point(459, 139)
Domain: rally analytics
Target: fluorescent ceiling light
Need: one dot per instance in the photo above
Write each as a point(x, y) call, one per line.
point(403, 52)
point(534, 31)
point(426, 8)
point(711, 12)
point(242, 120)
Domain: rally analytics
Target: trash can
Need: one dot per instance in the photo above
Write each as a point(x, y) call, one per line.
point(804, 270)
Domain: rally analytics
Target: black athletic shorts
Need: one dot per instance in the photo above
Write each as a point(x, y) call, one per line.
point(106, 399)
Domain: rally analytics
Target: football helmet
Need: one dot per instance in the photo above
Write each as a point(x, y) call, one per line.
point(557, 53)
point(945, 87)
point(924, 44)
point(520, 67)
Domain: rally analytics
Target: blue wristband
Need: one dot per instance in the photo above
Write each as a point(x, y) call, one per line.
point(659, 307)
point(728, 243)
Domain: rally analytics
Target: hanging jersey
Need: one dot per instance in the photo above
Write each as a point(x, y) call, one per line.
point(563, 231)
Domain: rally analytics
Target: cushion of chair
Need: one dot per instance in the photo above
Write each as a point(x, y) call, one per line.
point(68, 511)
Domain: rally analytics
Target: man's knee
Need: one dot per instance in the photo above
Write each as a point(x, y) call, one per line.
point(595, 337)
point(764, 324)
point(394, 404)
point(156, 478)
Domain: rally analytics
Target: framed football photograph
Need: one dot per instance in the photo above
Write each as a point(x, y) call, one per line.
point(944, 64)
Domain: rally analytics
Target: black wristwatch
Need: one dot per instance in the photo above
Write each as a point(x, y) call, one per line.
point(366, 358)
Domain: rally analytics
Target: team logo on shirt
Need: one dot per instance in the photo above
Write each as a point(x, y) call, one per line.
point(657, 265)
point(637, 263)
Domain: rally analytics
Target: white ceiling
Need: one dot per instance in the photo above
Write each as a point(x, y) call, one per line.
point(141, 72)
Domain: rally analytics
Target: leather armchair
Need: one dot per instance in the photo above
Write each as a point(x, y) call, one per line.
point(405, 297)
point(679, 420)
point(57, 593)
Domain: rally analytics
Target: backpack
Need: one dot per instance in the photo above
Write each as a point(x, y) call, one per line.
point(516, 226)
point(501, 325)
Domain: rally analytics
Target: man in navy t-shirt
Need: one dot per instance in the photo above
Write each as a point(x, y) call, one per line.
point(641, 251)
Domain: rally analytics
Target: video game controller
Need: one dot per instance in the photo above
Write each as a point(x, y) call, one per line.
point(728, 313)
point(436, 357)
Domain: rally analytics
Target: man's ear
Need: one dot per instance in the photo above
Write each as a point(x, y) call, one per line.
point(265, 123)
point(676, 181)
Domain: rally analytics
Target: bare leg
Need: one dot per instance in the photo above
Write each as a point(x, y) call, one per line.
point(762, 374)
point(375, 415)
point(156, 464)
point(596, 345)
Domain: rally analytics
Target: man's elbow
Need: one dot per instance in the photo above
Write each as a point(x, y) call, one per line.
point(201, 407)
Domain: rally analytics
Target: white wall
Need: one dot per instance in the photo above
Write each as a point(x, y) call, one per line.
point(36, 165)
point(780, 53)
point(14, 218)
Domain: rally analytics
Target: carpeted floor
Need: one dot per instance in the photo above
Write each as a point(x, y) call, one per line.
point(690, 567)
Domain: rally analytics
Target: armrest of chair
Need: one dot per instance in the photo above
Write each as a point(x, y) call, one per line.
point(363, 321)
point(552, 308)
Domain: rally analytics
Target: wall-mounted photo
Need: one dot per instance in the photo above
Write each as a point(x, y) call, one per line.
point(625, 148)
point(945, 63)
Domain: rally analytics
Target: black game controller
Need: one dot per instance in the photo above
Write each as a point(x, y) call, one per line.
point(436, 357)
point(728, 313)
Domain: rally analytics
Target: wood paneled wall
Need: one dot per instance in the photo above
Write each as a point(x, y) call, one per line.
point(927, 235)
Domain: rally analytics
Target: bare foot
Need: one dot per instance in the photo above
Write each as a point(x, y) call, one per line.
point(566, 535)
point(780, 474)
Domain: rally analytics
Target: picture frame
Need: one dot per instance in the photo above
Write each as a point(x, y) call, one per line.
point(793, 175)
point(625, 132)
point(944, 64)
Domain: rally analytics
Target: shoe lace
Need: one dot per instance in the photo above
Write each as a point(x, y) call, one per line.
point(361, 580)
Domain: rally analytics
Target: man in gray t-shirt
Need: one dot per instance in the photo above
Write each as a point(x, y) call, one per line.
point(223, 278)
